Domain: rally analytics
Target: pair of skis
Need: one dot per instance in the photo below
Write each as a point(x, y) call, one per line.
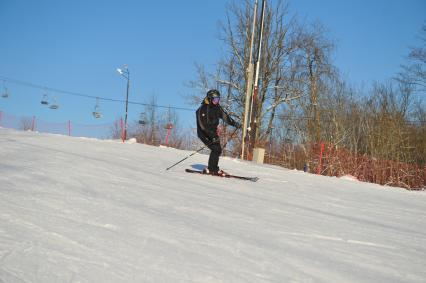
point(252, 179)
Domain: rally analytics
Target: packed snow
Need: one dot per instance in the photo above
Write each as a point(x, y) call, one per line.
point(86, 210)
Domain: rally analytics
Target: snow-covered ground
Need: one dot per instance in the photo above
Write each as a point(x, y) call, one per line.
point(85, 210)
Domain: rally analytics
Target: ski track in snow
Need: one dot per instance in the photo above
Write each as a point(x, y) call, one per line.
point(86, 210)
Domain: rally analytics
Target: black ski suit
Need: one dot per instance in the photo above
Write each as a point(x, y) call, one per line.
point(208, 116)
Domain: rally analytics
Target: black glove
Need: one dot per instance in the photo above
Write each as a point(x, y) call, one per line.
point(215, 140)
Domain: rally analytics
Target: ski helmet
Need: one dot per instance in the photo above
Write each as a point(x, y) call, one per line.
point(213, 93)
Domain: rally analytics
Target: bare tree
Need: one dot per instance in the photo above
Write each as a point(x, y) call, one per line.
point(414, 73)
point(116, 130)
point(26, 124)
point(146, 130)
point(318, 76)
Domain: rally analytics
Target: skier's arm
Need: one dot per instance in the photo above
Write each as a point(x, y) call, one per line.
point(228, 119)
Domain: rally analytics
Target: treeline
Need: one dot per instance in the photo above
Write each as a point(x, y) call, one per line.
point(380, 137)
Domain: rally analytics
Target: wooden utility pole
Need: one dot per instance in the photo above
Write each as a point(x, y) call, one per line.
point(253, 110)
point(249, 85)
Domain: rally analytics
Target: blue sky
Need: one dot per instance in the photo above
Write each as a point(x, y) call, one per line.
point(77, 45)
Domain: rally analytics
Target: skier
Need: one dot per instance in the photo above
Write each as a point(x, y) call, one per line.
point(208, 115)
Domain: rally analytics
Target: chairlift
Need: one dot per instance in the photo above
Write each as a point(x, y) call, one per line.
point(54, 105)
point(169, 124)
point(5, 93)
point(96, 112)
point(142, 119)
point(97, 115)
point(44, 99)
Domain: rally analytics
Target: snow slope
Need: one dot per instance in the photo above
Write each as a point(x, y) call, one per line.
point(85, 210)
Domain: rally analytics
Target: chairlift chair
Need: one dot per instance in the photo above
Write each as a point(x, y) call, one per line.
point(44, 100)
point(5, 94)
point(97, 115)
point(54, 105)
point(96, 112)
point(142, 119)
point(169, 124)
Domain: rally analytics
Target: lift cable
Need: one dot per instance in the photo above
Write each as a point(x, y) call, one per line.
point(19, 82)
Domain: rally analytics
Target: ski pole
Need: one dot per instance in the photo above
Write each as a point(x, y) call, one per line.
point(200, 149)
point(187, 157)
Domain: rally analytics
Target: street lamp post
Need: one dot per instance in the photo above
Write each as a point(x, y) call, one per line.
point(126, 74)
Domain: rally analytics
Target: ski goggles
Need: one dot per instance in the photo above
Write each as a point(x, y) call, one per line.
point(216, 100)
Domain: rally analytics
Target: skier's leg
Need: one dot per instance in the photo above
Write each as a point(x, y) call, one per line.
point(216, 151)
